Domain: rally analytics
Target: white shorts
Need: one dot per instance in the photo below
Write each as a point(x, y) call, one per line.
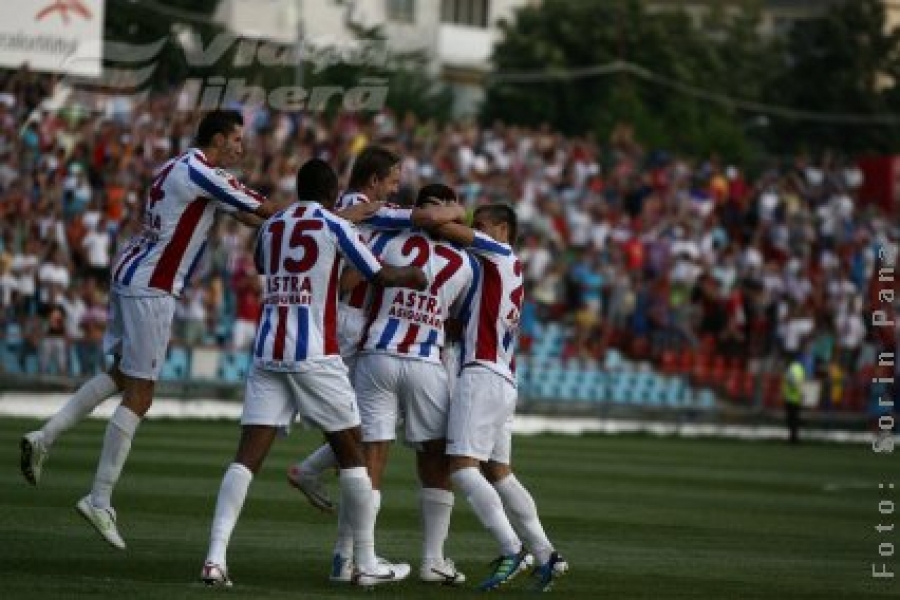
point(320, 394)
point(481, 416)
point(350, 325)
point(450, 357)
point(138, 331)
point(350, 361)
point(388, 385)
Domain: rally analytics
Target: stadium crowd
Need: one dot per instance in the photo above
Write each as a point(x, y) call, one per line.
point(656, 254)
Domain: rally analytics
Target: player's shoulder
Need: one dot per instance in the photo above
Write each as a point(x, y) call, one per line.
point(349, 199)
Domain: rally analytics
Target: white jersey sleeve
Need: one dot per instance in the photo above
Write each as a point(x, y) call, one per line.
point(178, 213)
point(352, 247)
point(223, 188)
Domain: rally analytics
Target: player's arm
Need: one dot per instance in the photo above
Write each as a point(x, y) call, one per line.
point(350, 278)
point(473, 240)
point(363, 260)
point(230, 194)
point(426, 217)
point(432, 216)
point(359, 212)
point(407, 277)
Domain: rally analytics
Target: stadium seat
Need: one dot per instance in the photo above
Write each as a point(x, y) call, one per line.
point(32, 366)
point(9, 361)
point(205, 362)
point(233, 366)
point(176, 367)
point(705, 400)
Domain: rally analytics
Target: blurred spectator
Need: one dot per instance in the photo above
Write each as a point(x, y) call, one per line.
point(647, 250)
point(191, 317)
point(54, 347)
point(53, 279)
point(93, 324)
point(248, 293)
point(25, 266)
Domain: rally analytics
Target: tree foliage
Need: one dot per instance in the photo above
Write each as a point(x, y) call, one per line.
point(843, 63)
point(834, 64)
point(139, 23)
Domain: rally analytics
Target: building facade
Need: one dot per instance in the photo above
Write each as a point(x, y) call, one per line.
point(458, 36)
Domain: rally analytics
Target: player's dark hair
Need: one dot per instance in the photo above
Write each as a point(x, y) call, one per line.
point(317, 181)
point(502, 212)
point(429, 192)
point(372, 161)
point(217, 121)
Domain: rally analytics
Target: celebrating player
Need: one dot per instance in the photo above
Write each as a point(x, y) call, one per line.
point(399, 369)
point(375, 176)
point(297, 368)
point(149, 275)
point(480, 424)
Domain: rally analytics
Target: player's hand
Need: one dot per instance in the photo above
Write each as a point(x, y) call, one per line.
point(416, 278)
point(360, 212)
point(407, 277)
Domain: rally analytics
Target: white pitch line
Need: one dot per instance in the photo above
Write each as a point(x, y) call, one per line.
point(42, 406)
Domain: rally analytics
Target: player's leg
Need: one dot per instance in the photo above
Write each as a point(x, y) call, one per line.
point(147, 325)
point(425, 396)
point(268, 407)
point(476, 418)
point(35, 445)
point(436, 508)
point(520, 507)
point(306, 474)
point(327, 401)
point(522, 512)
point(376, 380)
point(256, 441)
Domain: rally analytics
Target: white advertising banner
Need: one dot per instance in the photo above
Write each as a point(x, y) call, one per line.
point(60, 36)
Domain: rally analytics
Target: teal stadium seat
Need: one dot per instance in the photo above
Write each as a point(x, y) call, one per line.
point(176, 367)
point(234, 366)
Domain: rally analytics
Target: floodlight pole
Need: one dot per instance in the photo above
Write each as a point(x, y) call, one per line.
point(298, 44)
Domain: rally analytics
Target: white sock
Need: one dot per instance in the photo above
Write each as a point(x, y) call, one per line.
point(344, 543)
point(376, 501)
point(522, 512)
point(488, 508)
point(356, 493)
point(319, 461)
point(88, 397)
point(435, 506)
point(116, 446)
point(229, 503)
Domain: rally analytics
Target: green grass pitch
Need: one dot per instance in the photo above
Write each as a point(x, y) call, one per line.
point(637, 517)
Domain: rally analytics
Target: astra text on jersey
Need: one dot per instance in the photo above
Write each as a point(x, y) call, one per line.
point(410, 323)
point(299, 252)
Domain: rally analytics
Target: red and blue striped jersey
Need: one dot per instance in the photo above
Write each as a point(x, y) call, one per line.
point(387, 217)
point(179, 211)
point(492, 325)
point(299, 252)
point(410, 323)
